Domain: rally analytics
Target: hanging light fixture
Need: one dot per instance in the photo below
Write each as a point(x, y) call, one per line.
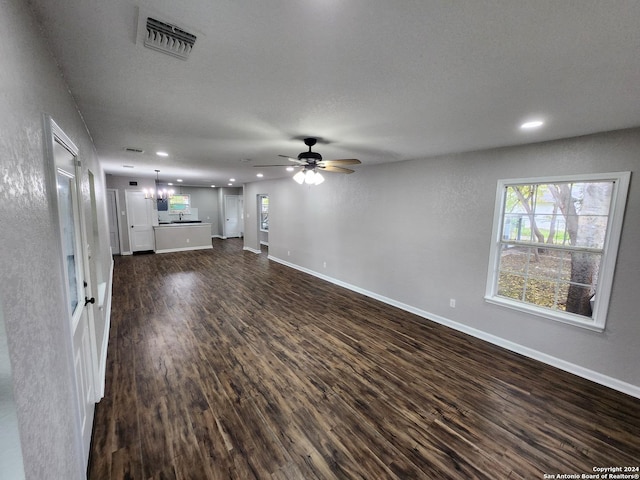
point(299, 177)
point(308, 176)
point(160, 193)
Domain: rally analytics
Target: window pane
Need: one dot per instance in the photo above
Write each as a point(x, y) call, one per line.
point(578, 299)
point(514, 259)
point(551, 264)
point(511, 286)
point(548, 277)
point(68, 235)
point(591, 231)
point(541, 292)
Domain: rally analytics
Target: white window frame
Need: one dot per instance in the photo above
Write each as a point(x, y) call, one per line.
point(261, 213)
point(598, 319)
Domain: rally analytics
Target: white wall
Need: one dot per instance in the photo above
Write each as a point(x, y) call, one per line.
point(419, 232)
point(31, 282)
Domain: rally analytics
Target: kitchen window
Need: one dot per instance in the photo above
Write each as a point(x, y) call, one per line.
point(554, 247)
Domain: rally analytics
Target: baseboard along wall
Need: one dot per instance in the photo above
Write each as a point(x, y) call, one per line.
point(578, 370)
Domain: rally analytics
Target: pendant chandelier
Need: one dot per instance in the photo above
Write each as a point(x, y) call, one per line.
point(159, 193)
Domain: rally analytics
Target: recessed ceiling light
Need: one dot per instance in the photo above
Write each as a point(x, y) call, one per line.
point(230, 184)
point(289, 169)
point(162, 154)
point(179, 180)
point(259, 175)
point(213, 186)
point(531, 125)
point(170, 183)
point(232, 179)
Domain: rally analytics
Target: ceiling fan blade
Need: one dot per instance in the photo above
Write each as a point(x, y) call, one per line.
point(291, 159)
point(278, 165)
point(330, 168)
point(341, 161)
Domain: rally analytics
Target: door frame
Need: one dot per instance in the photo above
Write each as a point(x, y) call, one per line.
point(53, 133)
point(114, 192)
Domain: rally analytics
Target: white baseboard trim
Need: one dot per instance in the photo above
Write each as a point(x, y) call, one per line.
point(183, 249)
point(102, 361)
point(614, 383)
point(126, 253)
point(262, 242)
point(253, 250)
point(217, 236)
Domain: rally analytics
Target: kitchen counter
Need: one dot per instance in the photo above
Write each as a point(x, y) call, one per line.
point(178, 237)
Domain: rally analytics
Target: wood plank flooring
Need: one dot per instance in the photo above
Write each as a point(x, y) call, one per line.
point(224, 365)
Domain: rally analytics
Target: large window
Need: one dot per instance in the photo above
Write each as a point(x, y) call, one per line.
point(554, 246)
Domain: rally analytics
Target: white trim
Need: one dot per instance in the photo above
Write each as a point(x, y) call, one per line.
point(105, 339)
point(126, 253)
point(253, 250)
point(183, 249)
point(558, 316)
point(614, 383)
point(262, 242)
point(217, 236)
point(118, 218)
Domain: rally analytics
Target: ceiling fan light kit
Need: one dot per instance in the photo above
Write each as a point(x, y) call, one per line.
point(311, 162)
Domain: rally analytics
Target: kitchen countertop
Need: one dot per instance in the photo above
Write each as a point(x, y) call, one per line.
point(181, 224)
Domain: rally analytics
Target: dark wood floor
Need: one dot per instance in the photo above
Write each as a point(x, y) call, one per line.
point(223, 365)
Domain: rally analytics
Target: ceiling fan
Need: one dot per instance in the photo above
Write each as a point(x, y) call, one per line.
point(312, 163)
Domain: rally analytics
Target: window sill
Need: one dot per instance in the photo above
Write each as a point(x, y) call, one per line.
point(563, 317)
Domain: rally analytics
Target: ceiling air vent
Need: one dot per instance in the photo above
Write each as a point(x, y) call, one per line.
point(133, 150)
point(168, 39)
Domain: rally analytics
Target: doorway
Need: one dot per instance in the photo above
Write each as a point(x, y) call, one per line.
point(233, 215)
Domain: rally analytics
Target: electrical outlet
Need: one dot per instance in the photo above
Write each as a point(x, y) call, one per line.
point(452, 302)
point(324, 264)
point(288, 253)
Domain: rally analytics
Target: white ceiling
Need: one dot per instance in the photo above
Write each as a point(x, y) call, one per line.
point(377, 80)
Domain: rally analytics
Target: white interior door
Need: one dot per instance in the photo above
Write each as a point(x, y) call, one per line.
point(233, 215)
point(140, 214)
point(76, 280)
point(112, 212)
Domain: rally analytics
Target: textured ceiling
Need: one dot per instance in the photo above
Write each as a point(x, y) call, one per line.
point(381, 81)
